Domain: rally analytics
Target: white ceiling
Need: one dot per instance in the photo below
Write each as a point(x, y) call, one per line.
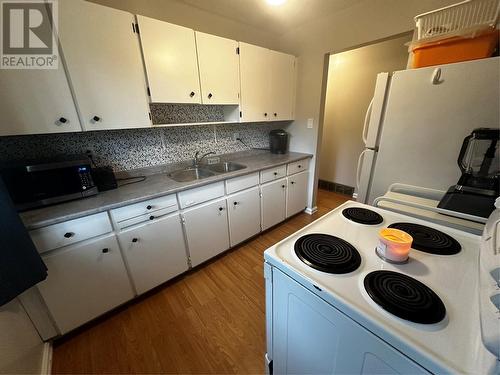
point(275, 19)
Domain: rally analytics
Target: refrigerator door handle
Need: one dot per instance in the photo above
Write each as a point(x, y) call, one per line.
point(367, 120)
point(358, 170)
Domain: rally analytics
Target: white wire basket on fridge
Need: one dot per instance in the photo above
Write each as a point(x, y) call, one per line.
point(466, 17)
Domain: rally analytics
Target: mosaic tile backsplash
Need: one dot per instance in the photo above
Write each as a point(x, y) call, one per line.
point(140, 148)
point(162, 113)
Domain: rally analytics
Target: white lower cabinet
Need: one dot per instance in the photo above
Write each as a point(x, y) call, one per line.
point(273, 203)
point(155, 252)
point(296, 197)
point(206, 230)
point(244, 215)
point(84, 281)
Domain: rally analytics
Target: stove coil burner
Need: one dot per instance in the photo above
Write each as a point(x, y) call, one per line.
point(404, 297)
point(362, 216)
point(429, 240)
point(327, 253)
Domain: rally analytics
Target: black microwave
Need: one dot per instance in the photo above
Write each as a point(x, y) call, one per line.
point(42, 183)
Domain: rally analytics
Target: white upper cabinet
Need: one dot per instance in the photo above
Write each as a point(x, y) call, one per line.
point(103, 59)
point(267, 84)
point(169, 53)
point(255, 83)
point(34, 101)
point(218, 63)
point(282, 85)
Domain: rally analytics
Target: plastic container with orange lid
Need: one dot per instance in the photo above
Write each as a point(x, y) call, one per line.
point(455, 49)
point(394, 245)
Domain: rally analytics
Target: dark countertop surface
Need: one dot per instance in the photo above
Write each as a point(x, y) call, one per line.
point(156, 184)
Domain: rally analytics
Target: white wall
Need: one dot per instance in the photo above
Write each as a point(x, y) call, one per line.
point(351, 82)
point(21, 349)
point(367, 21)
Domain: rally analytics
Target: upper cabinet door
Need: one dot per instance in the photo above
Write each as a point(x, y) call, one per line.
point(34, 101)
point(169, 53)
point(255, 83)
point(104, 64)
point(219, 69)
point(282, 85)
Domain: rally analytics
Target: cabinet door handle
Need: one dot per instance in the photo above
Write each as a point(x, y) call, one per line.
point(265, 114)
point(299, 166)
point(134, 240)
point(148, 207)
point(275, 114)
point(63, 120)
point(210, 96)
point(221, 208)
point(292, 182)
point(275, 173)
point(192, 94)
point(69, 234)
point(236, 203)
point(151, 217)
point(283, 186)
point(105, 250)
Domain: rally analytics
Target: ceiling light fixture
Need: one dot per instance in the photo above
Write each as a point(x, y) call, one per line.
point(276, 2)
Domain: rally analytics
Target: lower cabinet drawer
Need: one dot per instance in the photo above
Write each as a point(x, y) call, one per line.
point(70, 232)
point(145, 218)
point(84, 281)
point(201, 194)
point(243, 182)
point(167, 204)
point(298, 166)
point(272, 174)
point(155, 252)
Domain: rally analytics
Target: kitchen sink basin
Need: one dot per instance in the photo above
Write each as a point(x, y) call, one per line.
point(226, 167)
point(190, 174)
point(197, 173)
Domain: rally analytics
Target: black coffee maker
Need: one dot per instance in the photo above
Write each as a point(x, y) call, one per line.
point(278, 141)
point(479, 185)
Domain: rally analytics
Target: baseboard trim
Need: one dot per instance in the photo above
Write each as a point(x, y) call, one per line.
point(311, 211)
point(46, 359)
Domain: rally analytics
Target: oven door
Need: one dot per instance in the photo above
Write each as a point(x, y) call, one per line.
point(312, 337)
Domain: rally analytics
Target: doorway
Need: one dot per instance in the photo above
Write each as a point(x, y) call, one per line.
point(350, 86)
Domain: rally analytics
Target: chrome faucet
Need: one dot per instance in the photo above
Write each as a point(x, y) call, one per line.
point(197, 159)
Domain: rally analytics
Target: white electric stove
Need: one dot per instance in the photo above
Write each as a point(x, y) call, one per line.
point(334, 306)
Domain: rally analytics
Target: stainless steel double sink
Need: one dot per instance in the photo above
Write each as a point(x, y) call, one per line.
point(204, 171)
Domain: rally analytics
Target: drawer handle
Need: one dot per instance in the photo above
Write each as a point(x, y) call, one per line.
point(69, 234)
point(210, 96)
point(105, 250)
point(236, 203)
point(283, 186)
point(134, 240)
point(221, 208)
point(292, 182)
point(149, 207)
point(275, 173)
point(151, 217)
point(63, 120)
point(192, 94)
point(299, 166)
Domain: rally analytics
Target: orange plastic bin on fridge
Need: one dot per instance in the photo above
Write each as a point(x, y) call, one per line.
point(455, 49)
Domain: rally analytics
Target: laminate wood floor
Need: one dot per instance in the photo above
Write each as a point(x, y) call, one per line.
point(209, 321)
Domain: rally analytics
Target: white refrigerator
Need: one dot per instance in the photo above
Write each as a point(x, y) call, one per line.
point(417, 120)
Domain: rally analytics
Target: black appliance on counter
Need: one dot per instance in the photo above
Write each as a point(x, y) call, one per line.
point(42, 183)
point(479, 185)
point(278, 141)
